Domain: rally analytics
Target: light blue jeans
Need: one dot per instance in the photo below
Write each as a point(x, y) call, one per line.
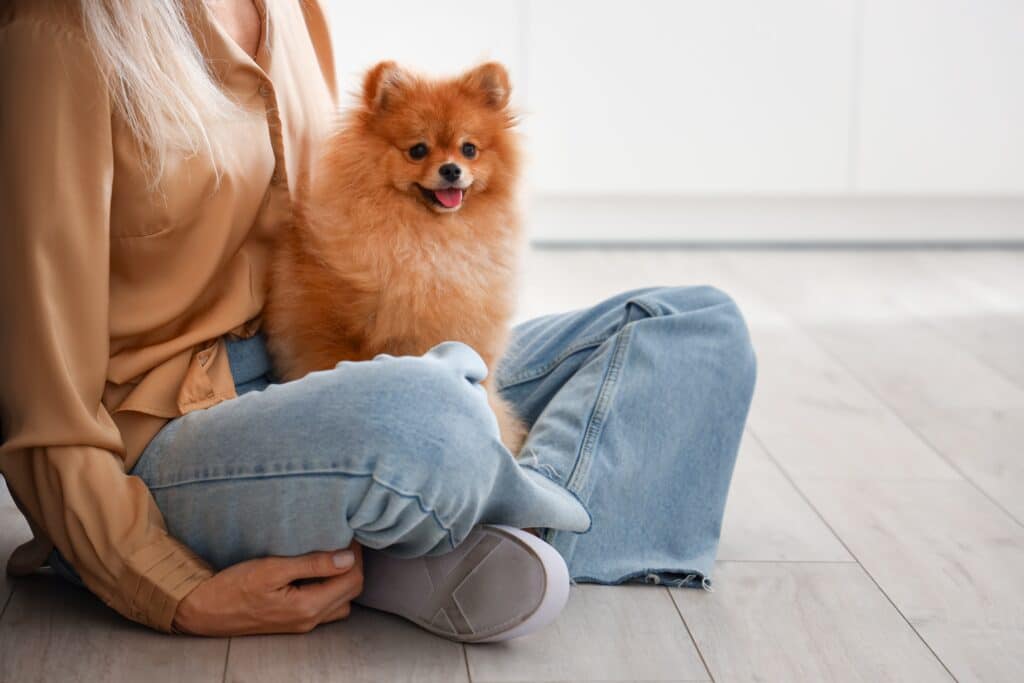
point(636, 408)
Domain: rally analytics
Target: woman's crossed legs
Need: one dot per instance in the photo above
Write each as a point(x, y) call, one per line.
point(636, 408)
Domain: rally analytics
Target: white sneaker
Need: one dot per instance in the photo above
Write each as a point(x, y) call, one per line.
point(500, 583)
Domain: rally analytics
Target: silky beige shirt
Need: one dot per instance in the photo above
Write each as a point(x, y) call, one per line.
point(114, 296)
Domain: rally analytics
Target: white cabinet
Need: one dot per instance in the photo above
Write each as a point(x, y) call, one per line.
point(942, 97)
point(670, 96)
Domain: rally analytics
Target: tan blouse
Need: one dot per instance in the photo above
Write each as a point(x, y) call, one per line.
point(113, 297)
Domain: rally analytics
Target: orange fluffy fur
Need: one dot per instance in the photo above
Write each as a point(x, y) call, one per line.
point(373, 264)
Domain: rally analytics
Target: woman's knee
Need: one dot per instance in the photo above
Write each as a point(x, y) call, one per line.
point(739, 347)
point(717, 317)
point(675, 300)
point(414, 413)
point(434, 448)
point(442, 388)
point(735, 350)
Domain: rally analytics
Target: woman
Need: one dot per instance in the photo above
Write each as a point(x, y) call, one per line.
point(149, 152)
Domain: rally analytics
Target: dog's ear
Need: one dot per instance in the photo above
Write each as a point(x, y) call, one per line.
point(381, 84)
point(490, 81)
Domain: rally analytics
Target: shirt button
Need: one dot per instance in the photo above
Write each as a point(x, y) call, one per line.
point(264, 90)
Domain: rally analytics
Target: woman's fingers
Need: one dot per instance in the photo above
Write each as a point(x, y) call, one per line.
point(326, 593)
point(312, 604)
point(259, 596)
point(343, 606)
point(337, 612)
point(296, 594)
point(284, 570)
point(328, 599)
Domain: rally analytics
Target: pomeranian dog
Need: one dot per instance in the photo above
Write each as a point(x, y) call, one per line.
point(407, 234)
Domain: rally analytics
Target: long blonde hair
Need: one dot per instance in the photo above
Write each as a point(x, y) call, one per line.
point(158, 80)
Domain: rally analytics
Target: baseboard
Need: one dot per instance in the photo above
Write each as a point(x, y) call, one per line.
point(768, 221)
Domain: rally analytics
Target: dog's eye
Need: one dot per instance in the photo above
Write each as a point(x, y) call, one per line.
point(418, 151)
point(468, 150)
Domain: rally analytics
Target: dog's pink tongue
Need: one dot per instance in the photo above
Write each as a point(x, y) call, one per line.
point(450, 198)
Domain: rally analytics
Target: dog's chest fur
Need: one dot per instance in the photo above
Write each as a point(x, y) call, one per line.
point(436, 289)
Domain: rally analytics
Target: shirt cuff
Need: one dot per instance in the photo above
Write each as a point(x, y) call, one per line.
point(157, 578)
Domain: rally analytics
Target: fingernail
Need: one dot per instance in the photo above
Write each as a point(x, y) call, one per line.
point(344, 559)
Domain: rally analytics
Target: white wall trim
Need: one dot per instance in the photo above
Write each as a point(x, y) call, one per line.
point(713, 220)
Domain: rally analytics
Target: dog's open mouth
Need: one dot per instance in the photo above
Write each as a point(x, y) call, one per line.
point(448, 198)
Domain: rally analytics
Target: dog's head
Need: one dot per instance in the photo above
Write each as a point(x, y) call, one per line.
point(442, 143)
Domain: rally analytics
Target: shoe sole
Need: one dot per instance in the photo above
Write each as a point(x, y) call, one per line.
point(556, 587)
point(555, 591)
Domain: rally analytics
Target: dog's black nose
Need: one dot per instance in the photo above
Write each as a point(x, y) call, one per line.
point(450, 172)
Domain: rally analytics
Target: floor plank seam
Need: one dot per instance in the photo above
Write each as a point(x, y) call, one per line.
point(807, 329)
point(227, 662)
point(960, 345)
point(703, 661)
point(913, 430)
point(943, 274)
point(839, 538)
point(465, 661)
point(3, 608)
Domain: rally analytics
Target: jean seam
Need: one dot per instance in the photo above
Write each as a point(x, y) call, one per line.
point(595, 423)
point(424, 508)
point(537, 372)
point(532, 374)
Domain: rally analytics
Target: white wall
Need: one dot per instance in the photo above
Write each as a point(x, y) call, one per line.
point(871, 117)
point(941, 107)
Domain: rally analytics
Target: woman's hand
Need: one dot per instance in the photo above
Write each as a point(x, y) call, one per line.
point(260, 596)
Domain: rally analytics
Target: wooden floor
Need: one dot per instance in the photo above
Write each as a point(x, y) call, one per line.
point(875, 529)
